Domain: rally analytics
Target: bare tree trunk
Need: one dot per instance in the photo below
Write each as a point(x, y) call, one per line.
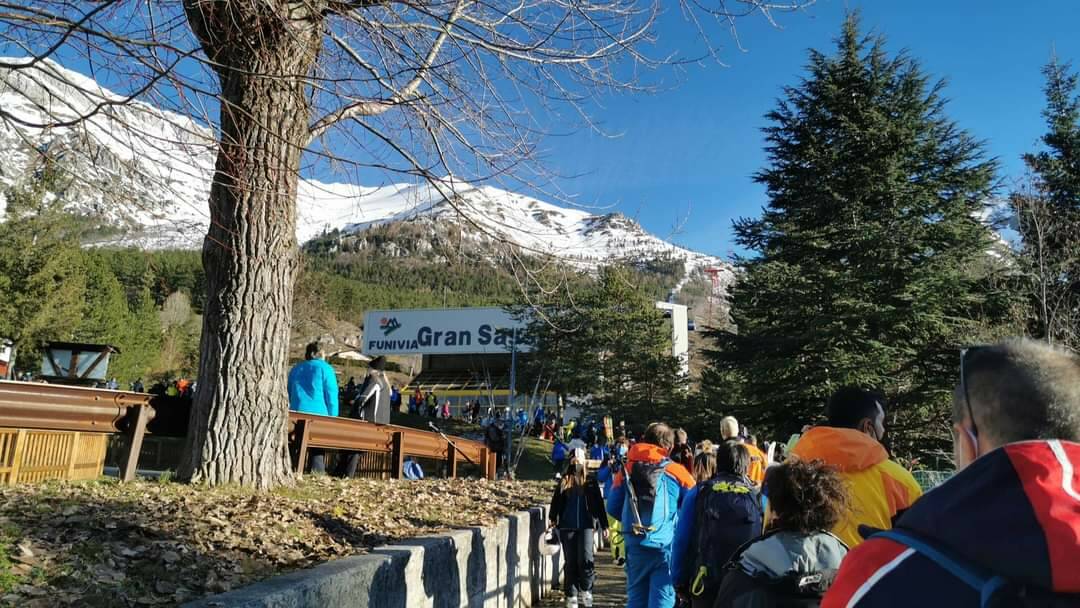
point(237, 431)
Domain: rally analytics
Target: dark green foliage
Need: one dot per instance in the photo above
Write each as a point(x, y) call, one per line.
point(607, 339)
point(162, 272)
point(41, 275)
point(870, 267)
point(53, 290)
point(1048, 216)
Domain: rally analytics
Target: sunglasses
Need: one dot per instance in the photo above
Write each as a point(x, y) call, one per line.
point(964, 352)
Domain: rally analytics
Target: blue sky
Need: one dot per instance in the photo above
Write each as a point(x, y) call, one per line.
point(686, 156)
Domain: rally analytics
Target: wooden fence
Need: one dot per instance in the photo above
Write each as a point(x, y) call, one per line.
point(27, 455)
point(50, 431)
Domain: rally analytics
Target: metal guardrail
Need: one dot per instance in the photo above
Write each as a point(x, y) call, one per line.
point(312, 431)
point(56, 407)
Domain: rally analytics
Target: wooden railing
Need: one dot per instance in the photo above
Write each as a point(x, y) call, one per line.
point(308, 431)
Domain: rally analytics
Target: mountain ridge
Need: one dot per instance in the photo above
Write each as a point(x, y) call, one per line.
point(147, 171)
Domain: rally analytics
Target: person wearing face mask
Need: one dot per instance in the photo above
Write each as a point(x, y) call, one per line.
point(577, 510)
point(851, 443)
point(1005, 530)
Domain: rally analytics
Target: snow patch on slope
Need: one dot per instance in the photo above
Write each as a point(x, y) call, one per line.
point(148, 171)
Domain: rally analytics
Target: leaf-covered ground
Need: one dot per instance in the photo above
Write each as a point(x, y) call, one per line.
point(158, 543)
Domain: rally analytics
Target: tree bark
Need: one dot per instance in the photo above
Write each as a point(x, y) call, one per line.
point(262, 50)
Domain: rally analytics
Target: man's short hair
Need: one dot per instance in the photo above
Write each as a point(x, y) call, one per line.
point(733, 458)
point(729, 427)
point(1022, 390)
point(313, 350)
point(850, 405)
point(660, 434)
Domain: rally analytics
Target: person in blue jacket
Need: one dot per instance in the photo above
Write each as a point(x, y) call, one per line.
point(313, 390)
point(718, 516)
point(648, 523)
point(598, 451)
point(606, 475)
point(558, 455)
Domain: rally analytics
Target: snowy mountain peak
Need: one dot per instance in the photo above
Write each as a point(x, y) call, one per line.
point(147, 171)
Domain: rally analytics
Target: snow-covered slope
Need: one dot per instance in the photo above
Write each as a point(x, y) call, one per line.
point(147, 171)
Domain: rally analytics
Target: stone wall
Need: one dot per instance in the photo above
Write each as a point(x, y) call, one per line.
point(489, 567)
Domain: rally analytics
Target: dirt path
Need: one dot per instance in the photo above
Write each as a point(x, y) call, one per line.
point(609, 591)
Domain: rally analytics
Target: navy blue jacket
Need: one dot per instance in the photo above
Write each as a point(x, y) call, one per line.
point(1013, 513)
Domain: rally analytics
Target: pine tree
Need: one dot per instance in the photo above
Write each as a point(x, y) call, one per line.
point(1048, 215)
point(41, 278)
point(607, 340)
point(870, 265)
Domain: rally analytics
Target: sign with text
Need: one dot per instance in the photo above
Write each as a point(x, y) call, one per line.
point(440, 331)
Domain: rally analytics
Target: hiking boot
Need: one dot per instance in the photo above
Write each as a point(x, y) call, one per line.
point(571, 602)
point(586, 599)
point(620, 561)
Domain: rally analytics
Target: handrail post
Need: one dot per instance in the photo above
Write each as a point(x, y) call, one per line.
point(16, 461)
point(483, 462)
point(492, 466)
point(451, 460)
point(135, 440)
point(397, 455)
point(73, 457)
point(302, 432)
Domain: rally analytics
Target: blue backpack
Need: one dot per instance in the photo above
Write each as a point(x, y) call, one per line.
point(728, 514)
point(413, 470)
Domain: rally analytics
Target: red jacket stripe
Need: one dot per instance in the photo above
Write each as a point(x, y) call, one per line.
point(858, 567)
point(1056, 504)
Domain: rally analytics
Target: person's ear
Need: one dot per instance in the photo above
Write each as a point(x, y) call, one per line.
point(965, 450)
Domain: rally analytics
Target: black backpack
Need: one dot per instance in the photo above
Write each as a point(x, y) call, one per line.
point(995, 591)
point(792, 590)
point(727, 515)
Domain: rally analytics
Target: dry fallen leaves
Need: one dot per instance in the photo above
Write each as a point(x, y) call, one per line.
point(145, 543)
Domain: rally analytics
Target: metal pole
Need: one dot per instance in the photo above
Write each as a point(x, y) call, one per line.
point(511, 400)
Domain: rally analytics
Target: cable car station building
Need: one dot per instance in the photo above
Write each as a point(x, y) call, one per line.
point(470, 353)
point(466, 353)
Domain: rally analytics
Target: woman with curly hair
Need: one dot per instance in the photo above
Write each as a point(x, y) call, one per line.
point(795, 561)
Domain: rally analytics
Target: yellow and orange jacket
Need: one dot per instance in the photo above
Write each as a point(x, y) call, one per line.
point(879, 487)
point(759, 461)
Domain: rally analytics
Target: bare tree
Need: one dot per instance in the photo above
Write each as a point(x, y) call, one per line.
point(1050, 256)
point(437, 89)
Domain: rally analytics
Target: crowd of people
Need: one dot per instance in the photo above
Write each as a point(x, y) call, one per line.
point(836, 522)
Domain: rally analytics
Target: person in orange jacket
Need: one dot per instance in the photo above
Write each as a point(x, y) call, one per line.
point(729, 431)
point(880, 488)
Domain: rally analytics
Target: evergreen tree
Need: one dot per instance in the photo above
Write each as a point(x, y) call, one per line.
point(871, 267)
point(608, 341)
point(1048, 216)
point(41, 278)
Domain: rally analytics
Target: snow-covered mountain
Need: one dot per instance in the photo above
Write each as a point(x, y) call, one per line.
point(147, 172)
